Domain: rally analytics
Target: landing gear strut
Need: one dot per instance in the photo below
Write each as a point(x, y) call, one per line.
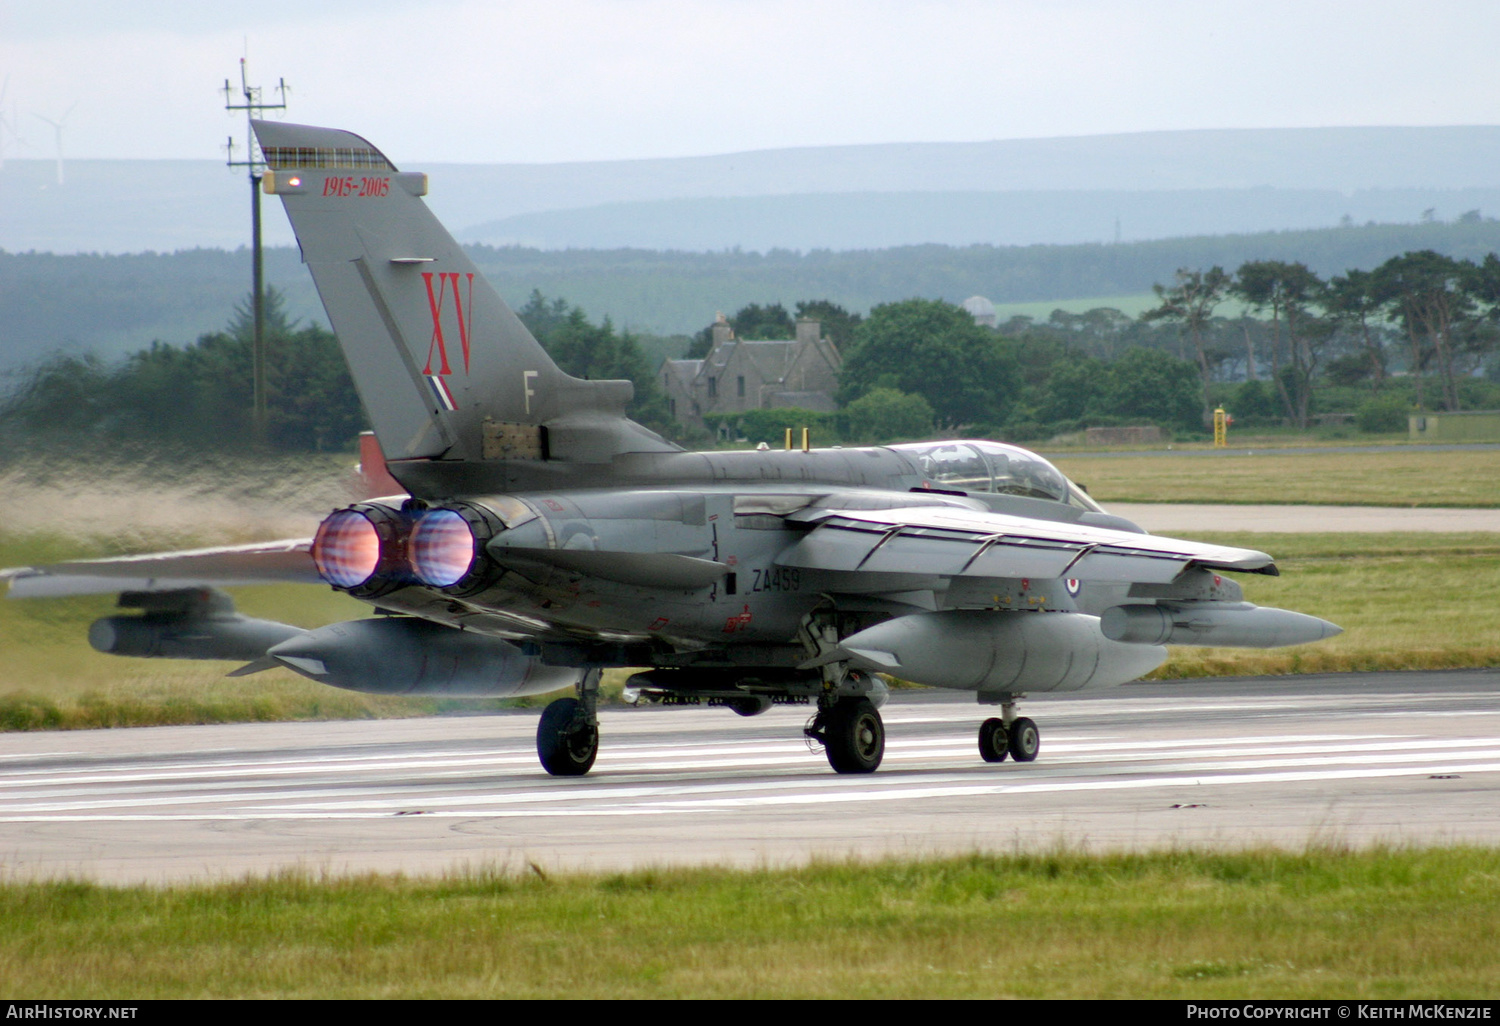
point(567, 736)
point(1008, 734)
point(851, 733)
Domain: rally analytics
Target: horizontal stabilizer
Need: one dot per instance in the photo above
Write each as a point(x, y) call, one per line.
point(260, 563)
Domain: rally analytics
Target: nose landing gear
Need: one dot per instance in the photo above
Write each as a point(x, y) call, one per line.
point(1008, 734)
point(567, 735)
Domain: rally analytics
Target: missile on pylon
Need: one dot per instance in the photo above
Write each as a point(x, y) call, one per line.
point(187, 623)
point(1219, 624)
point(408, 656)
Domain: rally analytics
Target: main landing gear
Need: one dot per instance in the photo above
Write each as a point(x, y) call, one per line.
point(567, 736)
point(851, 733)
point(848, 725)
point(1009, 734)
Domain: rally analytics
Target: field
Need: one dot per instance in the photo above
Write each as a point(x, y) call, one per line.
point(1321, 923)
point(1398, 477)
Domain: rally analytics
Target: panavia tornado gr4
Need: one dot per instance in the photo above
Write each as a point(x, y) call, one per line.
point(544, 536)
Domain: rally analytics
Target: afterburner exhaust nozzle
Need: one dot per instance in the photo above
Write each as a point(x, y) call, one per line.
point(362, 549)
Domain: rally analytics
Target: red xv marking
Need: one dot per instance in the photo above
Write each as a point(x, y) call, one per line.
point(435, 308)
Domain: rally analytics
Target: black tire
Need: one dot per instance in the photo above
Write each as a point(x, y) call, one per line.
point(565, 749)
point(854, 736)
point(1025, 740)
point(994, 745)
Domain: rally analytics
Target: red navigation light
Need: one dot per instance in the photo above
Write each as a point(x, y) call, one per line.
point(442, 548)
point(346, 549)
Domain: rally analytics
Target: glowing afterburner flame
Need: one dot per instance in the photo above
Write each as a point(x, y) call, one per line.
point(346, 549)
point(442, 548)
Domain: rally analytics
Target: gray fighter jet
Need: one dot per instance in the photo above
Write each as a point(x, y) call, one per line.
point(545, 536)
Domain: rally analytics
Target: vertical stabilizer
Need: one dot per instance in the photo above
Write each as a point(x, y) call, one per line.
point(445, 369)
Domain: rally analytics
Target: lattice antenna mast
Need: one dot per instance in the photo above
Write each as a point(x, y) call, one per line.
point(254, 105)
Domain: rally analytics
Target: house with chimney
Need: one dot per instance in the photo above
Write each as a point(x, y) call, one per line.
point(739, 375)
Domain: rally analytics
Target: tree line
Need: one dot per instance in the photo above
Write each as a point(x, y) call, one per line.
point(1438, 316)
point(1420, 329)
point(199, 396)
point(115, 304)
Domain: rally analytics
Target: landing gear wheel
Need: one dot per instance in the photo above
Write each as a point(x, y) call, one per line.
point(1025, 739)
point(994, 745)
point(565, 742)
point(854, 736)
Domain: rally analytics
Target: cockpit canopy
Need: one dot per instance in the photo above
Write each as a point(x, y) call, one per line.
point(994, 468)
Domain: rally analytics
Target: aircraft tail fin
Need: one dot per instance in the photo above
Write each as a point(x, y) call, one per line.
point(445, 369)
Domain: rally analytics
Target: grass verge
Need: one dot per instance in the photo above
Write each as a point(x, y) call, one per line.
point(1396, 923)
point(1405, 601)
point(1466, 478)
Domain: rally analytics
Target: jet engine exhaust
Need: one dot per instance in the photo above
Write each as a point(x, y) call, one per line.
point(446, 548)
point(361, 549)
point(442, 548)
point(346, 549)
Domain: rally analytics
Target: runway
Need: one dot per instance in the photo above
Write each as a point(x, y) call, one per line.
point(1338, 759)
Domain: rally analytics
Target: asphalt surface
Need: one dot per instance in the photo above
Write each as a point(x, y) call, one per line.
point(1353, 759)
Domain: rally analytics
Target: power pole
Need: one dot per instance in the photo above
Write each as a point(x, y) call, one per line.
point(254, 163)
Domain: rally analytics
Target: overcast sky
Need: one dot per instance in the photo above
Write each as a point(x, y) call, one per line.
point(548, 80)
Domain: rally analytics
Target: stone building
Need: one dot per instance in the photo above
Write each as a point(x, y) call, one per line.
point(739, 375)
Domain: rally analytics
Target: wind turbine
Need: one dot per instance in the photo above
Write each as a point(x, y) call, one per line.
point(8, 124)
point(57, 129)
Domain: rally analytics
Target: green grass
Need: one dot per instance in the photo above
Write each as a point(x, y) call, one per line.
point(1390, 478)
point(1405, 601)
point(1418, 923)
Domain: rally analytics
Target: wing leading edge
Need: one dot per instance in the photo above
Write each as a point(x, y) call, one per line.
point(954, 542)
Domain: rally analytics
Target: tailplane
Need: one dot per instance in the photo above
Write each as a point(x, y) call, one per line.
point(445, 369)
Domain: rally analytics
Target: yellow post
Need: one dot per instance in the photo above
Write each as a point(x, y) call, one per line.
point(806, 440)
point(1221, 429)
point(788, 439)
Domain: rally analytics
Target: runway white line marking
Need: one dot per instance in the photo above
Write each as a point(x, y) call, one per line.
point(695, 806)
point(38, 795)
point(644, 754)
point(292, 801)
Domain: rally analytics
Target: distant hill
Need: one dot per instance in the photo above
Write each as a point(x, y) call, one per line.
point(132, 206)
point(878, 220)
point(114, 304)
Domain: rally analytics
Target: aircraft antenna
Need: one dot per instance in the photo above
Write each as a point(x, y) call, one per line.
point(254, 105)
